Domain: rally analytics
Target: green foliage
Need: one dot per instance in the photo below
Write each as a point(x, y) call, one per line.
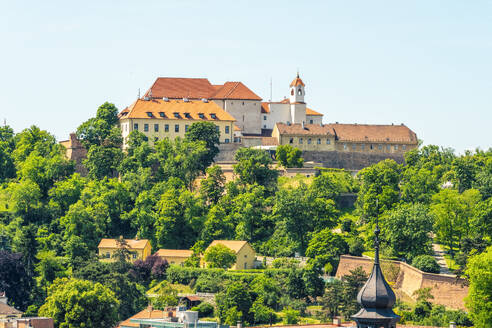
point(204, 309)
point(205, 132)
point(166, 295)
point(253, 167)
point(479, 302)
point(406, 230)
point(80, 303)
point(326, 247)
point(219, 256)
point(213, 186)
point(262, 313)
point(289, 156)
point(234, 303)
point(291, 316)
point(426, 263)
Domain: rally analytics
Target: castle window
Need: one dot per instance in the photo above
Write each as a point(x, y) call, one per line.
point(176, 114)
point(319, 141)
point(264, 117)
point(300, 140)
point(388, 147)
point(292, 92)
point(372, 147)
point(166, 128)
point(213, 116)
point(310, 121)
point(187, 115)
point(299, 92)
point(186, 128)
point(404, 147)
point(149, 114)
point(161, 114)
point(226, 140)
point(135, 126)
point(362, 147)
point(396, 147)
point(345, 147)
point(264, 126)
point(156, 127)
point(309, 141)
point(227, 129)
point(176, 128)
point(217, 128)
point(291, 140)
point(200, 115)
point(354, 147)
point(328, 141)
point(380, 147)
point(243, 103)
point(146, 127)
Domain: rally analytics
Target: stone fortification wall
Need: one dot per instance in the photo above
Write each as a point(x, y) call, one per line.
point(227, 151)
point(348, 160)
point(447, 290)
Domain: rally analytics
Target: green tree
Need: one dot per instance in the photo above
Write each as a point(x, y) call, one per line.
point(253, 166)
point(268, 289)
point(49, 267)
point(478, 301)
point(95, 131)
point(406, 230)
point(379, 189)
point(7, 145)
point(76, 303)
point(103, 160)
point(326, 247)
point(235, 295)
point(332, 299)
point(207, 132)
point(213, 186)
point(35, 141)
point(14, 279)
point(289, 156)
point(219, 256)
point(139, 154)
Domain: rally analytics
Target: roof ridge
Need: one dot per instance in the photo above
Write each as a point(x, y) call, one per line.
point(232, 90)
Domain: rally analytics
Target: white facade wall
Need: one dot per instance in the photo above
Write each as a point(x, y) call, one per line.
point(279, 113)
point(298, 113)
point(246, 112)
point(314, 119)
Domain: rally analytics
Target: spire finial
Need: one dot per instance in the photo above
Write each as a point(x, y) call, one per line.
point(298, 72)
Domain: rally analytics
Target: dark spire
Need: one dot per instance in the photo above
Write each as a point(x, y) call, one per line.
point(376, 297)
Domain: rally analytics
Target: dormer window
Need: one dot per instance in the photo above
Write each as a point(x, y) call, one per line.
point(176, 114)
point(124, 113)
point(213, 116)
point(187, 115)
point(201, 115)
point(161, 114)
point(149, 114)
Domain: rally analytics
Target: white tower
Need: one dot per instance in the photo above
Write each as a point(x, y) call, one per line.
point(297, 104)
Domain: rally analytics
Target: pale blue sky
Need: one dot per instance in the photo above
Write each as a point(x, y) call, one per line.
point(425, 63)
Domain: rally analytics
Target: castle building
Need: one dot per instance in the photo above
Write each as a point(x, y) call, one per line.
point(234, 98)
point(170, 118)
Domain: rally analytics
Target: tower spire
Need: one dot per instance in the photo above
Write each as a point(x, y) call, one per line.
point(376, 297)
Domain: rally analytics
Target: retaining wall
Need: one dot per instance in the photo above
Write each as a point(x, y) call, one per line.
point(448, 290)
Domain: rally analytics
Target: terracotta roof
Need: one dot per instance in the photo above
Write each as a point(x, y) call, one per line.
point(311, 112)
point(193, 298)
point(174, 253)
point(236, 128)
point(234, 245)
point(8, 310)
point(132, 243)
point(235, 90)
point(178, 87)
point(198, 88)
point(265, 107)
point(309, 129)
point(148, 313)
point(141, 109)
point(374, 133)
point(297, 81)
point(269, 141)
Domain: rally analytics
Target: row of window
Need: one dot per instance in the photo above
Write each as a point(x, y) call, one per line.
point(319, 141)
point(380, 147)
point(176, 128)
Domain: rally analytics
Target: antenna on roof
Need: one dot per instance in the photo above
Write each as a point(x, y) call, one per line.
point(271, 89)
point(4, 122)
point(298, 72)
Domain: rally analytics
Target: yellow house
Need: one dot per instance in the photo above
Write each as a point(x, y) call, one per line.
point(171, 118)
point(174, 256)
point(140, 247)
point(245, 254)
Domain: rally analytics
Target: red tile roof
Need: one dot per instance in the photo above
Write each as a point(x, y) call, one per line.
point(311, 112)
point(148, 313)
point(141, 109)
point(235, 90)
point(132, 243)
point(234, 245)
point(174, 253)
point(265, 107)
point(269, 141)
point(374, 133)
point(198, 88)
point(297, 81)
point(309, 129)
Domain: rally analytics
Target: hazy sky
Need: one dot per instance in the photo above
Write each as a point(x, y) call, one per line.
point(425, 63)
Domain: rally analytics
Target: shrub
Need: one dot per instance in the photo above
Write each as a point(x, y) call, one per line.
point(356, 246)
point(204, 309)
point(291, 317)
point(426, 263)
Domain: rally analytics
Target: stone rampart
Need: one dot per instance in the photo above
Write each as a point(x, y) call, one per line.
point(448, 290)
point(349, 160)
